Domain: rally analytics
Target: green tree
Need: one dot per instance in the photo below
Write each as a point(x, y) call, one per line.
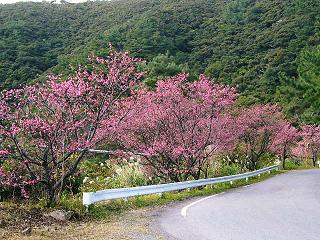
point(162, 66)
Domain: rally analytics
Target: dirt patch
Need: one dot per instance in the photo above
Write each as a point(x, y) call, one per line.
point(133, 225)
point(17, 218)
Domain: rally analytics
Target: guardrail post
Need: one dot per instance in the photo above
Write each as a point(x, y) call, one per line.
point(86, 200)
point(259, 175)
point(87, 208)
point(269, 172)
point(231, 182)
point(247, 179)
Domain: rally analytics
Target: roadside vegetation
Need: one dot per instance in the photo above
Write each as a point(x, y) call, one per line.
point(17, 215)
point(112, 208)
point(208, 89)
point(182, 129)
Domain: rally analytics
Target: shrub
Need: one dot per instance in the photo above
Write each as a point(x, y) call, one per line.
point(110, 174)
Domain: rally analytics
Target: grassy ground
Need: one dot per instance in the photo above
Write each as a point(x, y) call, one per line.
point(292, 166)
point(116, 219)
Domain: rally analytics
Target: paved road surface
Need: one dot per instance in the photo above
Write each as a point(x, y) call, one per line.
point(285, 207)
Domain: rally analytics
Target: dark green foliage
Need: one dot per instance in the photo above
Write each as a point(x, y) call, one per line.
point(162, 66)
point(36, 36)
point(303, 93)
point(266, 47)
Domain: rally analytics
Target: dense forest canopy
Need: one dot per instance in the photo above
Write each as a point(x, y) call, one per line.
point(270, 49)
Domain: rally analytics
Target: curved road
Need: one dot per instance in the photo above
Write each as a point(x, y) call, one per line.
point(285, 207)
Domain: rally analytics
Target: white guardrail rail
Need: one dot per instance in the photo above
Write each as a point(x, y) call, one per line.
point(94, 197)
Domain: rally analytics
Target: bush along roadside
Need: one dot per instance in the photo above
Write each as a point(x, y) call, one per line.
point(113, 208)
point(24, 215)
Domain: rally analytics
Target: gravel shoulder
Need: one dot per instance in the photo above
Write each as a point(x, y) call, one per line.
point(133, 225)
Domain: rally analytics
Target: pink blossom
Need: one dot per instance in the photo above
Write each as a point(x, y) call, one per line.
point(259, 126)
point(309, 146)
point(49, 127)
point(179, 126)
point(4, 153)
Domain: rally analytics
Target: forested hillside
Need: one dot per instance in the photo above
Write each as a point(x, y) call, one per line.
point(269, 48)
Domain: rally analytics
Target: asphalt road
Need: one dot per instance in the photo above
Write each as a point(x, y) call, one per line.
point(285, 207)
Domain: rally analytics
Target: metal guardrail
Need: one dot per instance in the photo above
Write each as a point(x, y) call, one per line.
point(112, 152)
point(94, 197)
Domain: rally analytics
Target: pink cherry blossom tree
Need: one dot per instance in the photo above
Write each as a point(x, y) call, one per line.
point(310, 143)
point(179, 127)
point(259, 125)
point(46, 129)
point(285, 141)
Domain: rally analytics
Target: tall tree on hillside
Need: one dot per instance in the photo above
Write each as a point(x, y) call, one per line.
point(161, 67)
point(309, 76)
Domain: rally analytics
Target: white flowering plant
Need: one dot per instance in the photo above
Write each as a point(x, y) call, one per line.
point(108, 173)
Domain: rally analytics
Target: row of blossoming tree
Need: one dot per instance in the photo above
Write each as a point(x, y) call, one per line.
point(178, 128)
